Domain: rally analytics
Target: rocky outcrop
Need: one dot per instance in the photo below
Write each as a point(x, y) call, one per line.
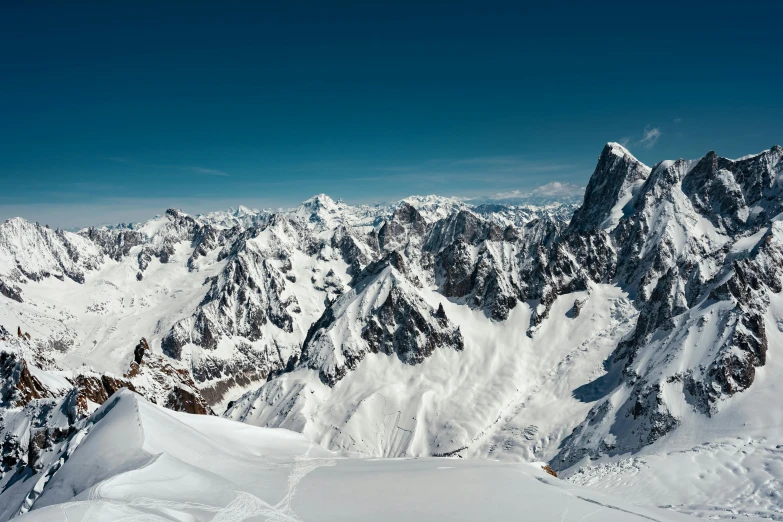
point(115, 243)
point(149, 375)
point(483, 276)
point(246, 296)
point(356, 253)
point(642, 418)
point(94, 389)
point(207, 238)
point(698, 260)
point(11, 291)
point(610, 190)
point(404, 232)
point(19, 386)
point(176, 227)
point(381, 314)
point(736, 195)
point(162, 382)
point(181, 399)
point(463, 226)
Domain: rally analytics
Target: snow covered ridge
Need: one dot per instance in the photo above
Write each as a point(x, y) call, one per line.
point(648, 322)
point(45, 409)
point(183, 467)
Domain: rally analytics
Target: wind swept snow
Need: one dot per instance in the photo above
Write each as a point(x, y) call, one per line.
point(197, 468)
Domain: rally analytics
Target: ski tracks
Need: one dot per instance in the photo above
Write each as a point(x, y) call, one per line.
point(244, 506)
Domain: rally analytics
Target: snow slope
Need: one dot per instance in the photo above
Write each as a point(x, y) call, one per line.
point(184, 467)
point(493, 399)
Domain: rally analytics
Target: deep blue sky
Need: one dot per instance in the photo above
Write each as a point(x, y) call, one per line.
point(112, 113)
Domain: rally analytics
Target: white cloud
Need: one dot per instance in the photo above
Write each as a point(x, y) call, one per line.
point(624, 141)
point(553, 191)
point(557, 188)
point(650, 137)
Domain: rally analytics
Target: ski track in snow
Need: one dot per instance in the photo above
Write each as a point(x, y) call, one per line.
point(302, 467)
point(244, 506)
point(732, 478)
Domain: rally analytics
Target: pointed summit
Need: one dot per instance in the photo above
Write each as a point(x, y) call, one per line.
point(615, 148)
point(319, 200)
point(244, 211)
point(319, 211)
point(612, 186)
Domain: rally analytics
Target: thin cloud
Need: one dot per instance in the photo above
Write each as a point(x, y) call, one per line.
point(677, 120)
point(554, 191)
point(209, 172)
point(624, 141)
point(551, 189)
point(558, 188)
point(650, 137)
point(193, 169)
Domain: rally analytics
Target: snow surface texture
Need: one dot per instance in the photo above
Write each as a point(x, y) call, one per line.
point(644, 326)
point(184, 467)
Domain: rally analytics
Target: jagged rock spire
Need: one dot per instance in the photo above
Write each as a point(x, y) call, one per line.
point(617, 174)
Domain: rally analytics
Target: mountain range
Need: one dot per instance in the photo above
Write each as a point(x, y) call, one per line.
point(624, 343)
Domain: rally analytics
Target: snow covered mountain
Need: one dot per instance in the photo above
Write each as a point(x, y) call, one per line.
point(641, 324)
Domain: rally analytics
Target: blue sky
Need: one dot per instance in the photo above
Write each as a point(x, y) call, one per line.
point(113, 112)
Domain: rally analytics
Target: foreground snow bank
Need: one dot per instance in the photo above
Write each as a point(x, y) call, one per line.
point(140, 461)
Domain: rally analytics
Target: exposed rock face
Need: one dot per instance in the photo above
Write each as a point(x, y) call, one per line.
point(180, 399)
point(463, 226)
point(36, 429)
point(41, 417)
point(153, 377)
point(171, 229)
point(163, 383)
point(735, 195)
point(19, 386)
point(207, 238)
point(612, 184)
point(698, 258)
point(405, 231)
point(116, 244)
point(11, 291)
point(351, 248)
point(643, 418)
point(247, 295)
point(381, 314)
point(484, 276)
point(97, 389)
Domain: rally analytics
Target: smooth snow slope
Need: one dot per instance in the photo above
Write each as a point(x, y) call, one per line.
point(141, 462)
